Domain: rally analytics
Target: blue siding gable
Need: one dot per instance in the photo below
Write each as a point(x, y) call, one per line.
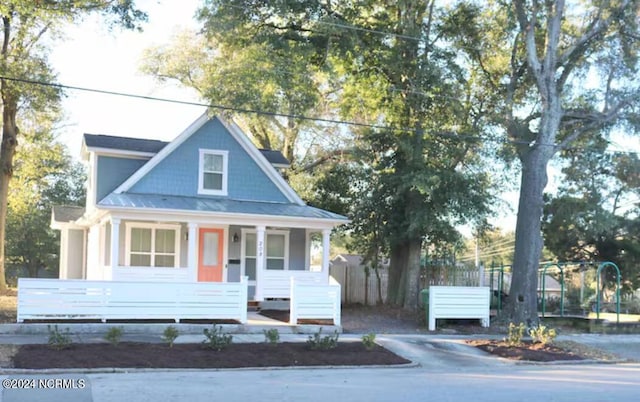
point(177, 173)
point(112, 172)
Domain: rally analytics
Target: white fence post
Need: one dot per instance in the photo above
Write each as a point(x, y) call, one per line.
point(337, 309)
point(243, 306)
point(293, 302)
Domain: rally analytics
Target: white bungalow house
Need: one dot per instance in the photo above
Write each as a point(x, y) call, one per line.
point(207, 207)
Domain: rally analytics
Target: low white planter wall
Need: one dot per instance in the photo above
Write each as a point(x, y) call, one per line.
point(458, 302)
point(315, 301)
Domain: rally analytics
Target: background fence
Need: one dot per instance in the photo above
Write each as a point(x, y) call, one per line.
point(362, 288)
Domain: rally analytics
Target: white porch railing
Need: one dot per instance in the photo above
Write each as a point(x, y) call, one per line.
point(151, 274)
point(315, 301)
point(141, 274)
point(42, 299)
point(277, 284)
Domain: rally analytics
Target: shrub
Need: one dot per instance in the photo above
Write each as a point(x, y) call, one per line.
point(216, 339)
point(369, 340)
point(542, 334)
point(59, 340)
point(271, 336)
point(170, 334)
point(113, 335)
point(515, 334)
point(318, 342)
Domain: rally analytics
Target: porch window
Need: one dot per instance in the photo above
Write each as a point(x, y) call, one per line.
point(276, 251)
point(276, 248)
point(250, 256)
point(152, 245)
point(212, 178)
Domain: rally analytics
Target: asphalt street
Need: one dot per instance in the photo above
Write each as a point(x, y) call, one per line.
point(500, 383)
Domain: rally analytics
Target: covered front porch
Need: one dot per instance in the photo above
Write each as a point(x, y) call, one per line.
point(178, 249)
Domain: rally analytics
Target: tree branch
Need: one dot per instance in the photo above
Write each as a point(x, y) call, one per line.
point(528, 27)
point(327, 157)
point(596, 119)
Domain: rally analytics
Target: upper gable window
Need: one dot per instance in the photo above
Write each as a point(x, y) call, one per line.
point(212, 178)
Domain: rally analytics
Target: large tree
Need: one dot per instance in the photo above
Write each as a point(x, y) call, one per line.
point(227, 67)
point(44, 175)
point(387, 70)
point(554, 71)
point(27, 25)
point(595, 215)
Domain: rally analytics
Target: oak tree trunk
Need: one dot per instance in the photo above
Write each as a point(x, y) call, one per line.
point(522, 303)
point(7, 152)
point(404, 274)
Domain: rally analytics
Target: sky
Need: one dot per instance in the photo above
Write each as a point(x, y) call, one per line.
point(93, 57)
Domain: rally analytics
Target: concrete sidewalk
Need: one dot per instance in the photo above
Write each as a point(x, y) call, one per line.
point(427, 350)
point(256, 324)
point(626, 346)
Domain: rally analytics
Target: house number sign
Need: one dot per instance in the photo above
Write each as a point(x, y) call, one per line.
point(260, 248)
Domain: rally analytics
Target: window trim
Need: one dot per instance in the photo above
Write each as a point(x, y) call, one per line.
point(137, 225)
point(201, 172)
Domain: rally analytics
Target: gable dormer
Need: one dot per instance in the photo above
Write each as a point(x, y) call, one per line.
point(213, 158)
point(111, 160)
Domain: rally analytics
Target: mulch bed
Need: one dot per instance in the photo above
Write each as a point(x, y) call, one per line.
point(527, 351)
point(157, 355)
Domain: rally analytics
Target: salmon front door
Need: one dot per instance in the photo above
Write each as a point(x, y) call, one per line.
point(210, 261)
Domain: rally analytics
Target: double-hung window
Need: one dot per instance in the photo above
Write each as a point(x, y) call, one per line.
point(212, 177)
point(152, 245)
point(276, 251)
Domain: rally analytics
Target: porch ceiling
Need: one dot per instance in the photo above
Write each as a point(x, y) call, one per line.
point(215, 205)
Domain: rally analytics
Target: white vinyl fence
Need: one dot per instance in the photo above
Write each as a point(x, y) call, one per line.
point(277, 284)
point(458, 302)
point(46, 299)
point(315, 301)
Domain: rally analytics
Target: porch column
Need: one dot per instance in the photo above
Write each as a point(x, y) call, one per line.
point(326, 237)
point(192, 252)
point(115, 245)
point(260, 231)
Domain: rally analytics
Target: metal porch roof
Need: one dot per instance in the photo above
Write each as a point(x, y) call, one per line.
point(215, 205)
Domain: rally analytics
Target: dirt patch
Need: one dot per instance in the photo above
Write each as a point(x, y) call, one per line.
point(155, 355)
point(382, 320)
point(6, 355)
point(527, 351)
point(283, 315)
point(8, 302)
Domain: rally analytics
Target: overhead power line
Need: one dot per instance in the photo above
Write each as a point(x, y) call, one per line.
point(448, 135)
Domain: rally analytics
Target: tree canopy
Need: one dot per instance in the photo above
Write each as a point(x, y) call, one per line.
point(44, 176)
point(426, 89)
point(553, 72)
point(28, 27)
point(595, 214)
point(408, 176)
